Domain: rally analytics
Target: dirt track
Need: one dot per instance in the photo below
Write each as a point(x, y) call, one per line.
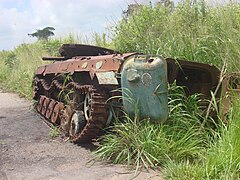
point(28, 152)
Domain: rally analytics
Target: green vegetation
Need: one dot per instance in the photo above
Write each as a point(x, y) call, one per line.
point(180, 145)
point(191, 31)
point(18, 65)
point(43, 34)
point(138, 142)
point(54, 132)
point(221, 160)
point(198, 33)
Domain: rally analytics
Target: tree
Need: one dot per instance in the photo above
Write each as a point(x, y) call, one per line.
point(134, 8)
point(43, 34)
point(166, 3)
point(131, 10)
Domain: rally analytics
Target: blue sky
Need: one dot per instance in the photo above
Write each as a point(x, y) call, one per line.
point(81, 17)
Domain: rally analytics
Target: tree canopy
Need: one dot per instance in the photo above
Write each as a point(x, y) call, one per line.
point(135, 7)
point(43, 34)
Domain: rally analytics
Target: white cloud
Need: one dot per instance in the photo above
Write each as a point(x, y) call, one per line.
point(20, 17)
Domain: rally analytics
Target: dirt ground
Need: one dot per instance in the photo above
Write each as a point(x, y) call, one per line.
point(28, 151)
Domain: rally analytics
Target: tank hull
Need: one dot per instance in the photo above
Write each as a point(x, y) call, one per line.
point(79, 92)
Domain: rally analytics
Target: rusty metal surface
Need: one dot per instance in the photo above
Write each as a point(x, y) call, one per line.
point(93, 67)
point(54, 58)
point(40, 103)
point(45, 106)
point(71, 50)
point(55, 117)
point(196, 77)
point(40, 70)
point(86, 64)
point(50, 108)
point(57, 113)
point(230, 88)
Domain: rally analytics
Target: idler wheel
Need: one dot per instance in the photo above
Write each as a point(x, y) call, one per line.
point(77, 124)
point(87, 106)
point(86, 124)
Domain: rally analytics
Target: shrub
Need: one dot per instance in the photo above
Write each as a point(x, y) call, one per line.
point(140, 143)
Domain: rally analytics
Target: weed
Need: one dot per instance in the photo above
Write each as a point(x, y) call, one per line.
point(184, 170)
point(143, 144)
point(66, 94)
point(192, 31)
point(54, 131)
point(18, 66)
point(220, 159)
point(10, 59)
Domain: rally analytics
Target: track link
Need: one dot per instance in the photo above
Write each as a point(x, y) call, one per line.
point(58, 113)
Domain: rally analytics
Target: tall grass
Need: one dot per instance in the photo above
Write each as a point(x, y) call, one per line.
point(180, 145)
point(191, 31)
point(221, 160)
point(196, 32)
point(140, 143)
point(18, 65)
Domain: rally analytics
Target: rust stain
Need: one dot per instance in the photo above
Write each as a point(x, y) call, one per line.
point(92, 67)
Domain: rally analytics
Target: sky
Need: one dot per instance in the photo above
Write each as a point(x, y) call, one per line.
point(18, 18)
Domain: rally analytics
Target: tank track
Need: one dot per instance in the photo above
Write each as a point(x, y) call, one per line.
point(61, 114)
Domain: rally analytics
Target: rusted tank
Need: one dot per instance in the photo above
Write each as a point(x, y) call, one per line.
point(77, 90)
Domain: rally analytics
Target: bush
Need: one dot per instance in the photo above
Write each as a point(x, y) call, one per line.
point(10, 59)
point(18, 65)
point(191, 31)
point(141, 143)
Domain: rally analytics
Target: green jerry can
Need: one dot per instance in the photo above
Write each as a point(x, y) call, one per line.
point(144, 87)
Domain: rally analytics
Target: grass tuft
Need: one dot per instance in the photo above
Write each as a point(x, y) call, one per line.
point(54, 132)
point(143, 144)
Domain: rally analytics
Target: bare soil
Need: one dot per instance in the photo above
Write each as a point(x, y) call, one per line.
point(28, 152)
